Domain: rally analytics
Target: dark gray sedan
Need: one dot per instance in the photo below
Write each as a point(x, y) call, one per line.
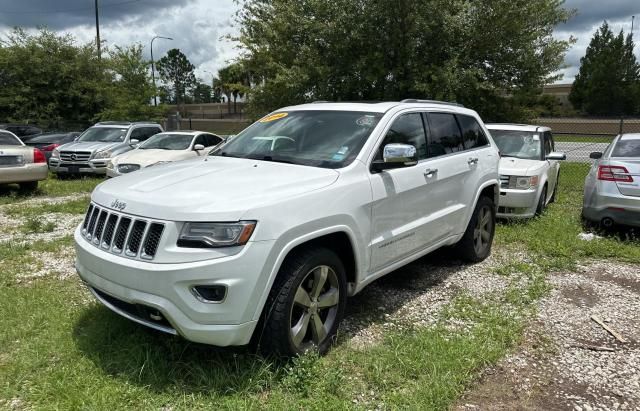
point(612, 187)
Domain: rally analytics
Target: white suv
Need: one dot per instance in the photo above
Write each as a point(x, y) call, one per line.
point(266, 237)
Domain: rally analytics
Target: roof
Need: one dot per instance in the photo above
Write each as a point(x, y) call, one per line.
point(630, 136)
point(124, 124)
point(185, 133)
point(373, 107)
point(516, 127)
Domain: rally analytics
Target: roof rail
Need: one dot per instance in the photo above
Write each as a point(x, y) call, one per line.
point(113, 123)
point(446, 103)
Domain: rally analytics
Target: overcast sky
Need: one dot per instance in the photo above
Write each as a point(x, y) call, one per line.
point(198, 25)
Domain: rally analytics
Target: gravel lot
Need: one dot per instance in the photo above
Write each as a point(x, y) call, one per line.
point(568, 361)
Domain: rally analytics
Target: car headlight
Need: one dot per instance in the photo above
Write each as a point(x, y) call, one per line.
point(525, 183)
point(55, 153)
point(215, 235)
point(102, 154)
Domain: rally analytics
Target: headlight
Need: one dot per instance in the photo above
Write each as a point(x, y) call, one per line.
point(215, 235)
point(524, 183)
point(55, 153)
point(102, 154)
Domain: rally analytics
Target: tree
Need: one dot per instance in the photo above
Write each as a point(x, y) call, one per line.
point(236, 82)
point(176, 70)
point(201, 93)
point(131, 89)
point(608, 82)
point(473, 52)
point(50, 80)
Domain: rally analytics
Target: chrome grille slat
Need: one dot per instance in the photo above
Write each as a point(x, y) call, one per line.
point(79, 155)
point(122, 234)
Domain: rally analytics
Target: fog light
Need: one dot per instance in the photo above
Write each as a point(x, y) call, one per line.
point(210, 294)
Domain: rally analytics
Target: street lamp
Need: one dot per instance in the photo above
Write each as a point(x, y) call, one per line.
point(153, 70)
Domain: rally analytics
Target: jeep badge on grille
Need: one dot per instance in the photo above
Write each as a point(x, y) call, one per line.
point(118, 205)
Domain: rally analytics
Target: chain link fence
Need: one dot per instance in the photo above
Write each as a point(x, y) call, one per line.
point(579, 137)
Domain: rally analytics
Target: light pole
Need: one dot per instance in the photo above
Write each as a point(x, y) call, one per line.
point(153, 70)
point(213, 85)
point(98, 30)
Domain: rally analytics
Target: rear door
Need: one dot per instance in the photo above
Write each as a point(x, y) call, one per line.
point(626, 154)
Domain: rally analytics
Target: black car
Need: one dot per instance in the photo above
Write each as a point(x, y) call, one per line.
point(24, 131)
point(50, 141)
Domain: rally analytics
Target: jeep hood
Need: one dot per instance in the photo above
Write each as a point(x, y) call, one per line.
point(511, 166)
point(211, 189)
point(88, 146)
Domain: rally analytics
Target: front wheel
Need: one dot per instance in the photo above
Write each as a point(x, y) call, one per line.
point(542, 201)
point(475, 245)
point(306, 304)
point(29, 186)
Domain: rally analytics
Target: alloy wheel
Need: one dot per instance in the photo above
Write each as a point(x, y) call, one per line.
point(483, 230)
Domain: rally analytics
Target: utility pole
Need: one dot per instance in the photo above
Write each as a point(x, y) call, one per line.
point(153, 70)
point(98, 30)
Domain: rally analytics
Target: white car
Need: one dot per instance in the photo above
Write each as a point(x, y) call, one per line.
point(21, 164)
point(529, 169)
point(267, 242)
point(164, 148)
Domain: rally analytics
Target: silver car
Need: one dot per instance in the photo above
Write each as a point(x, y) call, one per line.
point(19, 163)
point(612, 187)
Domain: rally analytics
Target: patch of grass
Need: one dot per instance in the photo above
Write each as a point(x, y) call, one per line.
point(51, 187)
point(36, 225)
point(576, 138)
point(78, 206)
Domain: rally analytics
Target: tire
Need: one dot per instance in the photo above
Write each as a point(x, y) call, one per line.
point(541, 202)
point(29, 186)
point(475, 245)
point(555, 190)
point(294, 322)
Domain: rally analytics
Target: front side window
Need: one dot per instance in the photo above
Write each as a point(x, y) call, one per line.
point(318, 138)
point(519, 144)
point(445, 137)
point(103, 135)
point(472, 134)
point(211, 140)
point(7, 139)
point(167, 142)
point(407, 129)
point(627, 148)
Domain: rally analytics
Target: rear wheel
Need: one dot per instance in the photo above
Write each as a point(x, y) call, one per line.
point(306, 304)
point(475, 245)
point(542, 201)
point(29, 186)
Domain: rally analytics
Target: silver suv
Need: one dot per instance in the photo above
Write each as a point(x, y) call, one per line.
point(92, 150)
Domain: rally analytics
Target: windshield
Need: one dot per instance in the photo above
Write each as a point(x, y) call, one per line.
point(7, 139)
point(103, 135)
point(520, 144)
point(168, 142)
point(627, 148)
point(327, 139)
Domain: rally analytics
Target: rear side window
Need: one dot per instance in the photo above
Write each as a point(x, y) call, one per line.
point(7, 139)
point(211, 140)
point(445, 136)
point(472, 134)
point(407, 129)
point(627, 148)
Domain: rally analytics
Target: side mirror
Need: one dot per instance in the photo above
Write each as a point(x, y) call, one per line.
point(595, 155)
point(134, 142)
point(556, 156)
point(76, 139)
point(198, 147)
point(396, 156)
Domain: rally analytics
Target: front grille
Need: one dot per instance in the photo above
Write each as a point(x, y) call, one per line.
point(121, 234)
point(75, 155)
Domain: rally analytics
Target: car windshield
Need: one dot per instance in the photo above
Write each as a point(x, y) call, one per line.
point(327, 139)
point(103, 135)
point(518, 144)
point(627, 149)
point(7, 139)
point(168, 142)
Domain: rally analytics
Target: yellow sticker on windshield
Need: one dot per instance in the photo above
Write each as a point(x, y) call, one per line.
point(274, 117)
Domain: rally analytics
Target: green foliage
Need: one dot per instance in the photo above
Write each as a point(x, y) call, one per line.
point(36, 225)
point(176, 70)
point(609, 79)
point(48, 79)
point(130, 89)
point(234, 81)
point(202, 93)
point(472, 52)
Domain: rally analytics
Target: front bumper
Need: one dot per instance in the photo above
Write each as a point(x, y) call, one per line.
point(24, 173)
point(517, 203)
point(165, 289)
point(83, 167)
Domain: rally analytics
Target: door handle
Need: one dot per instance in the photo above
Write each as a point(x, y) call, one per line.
point(472, 160)
point(430, 172)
